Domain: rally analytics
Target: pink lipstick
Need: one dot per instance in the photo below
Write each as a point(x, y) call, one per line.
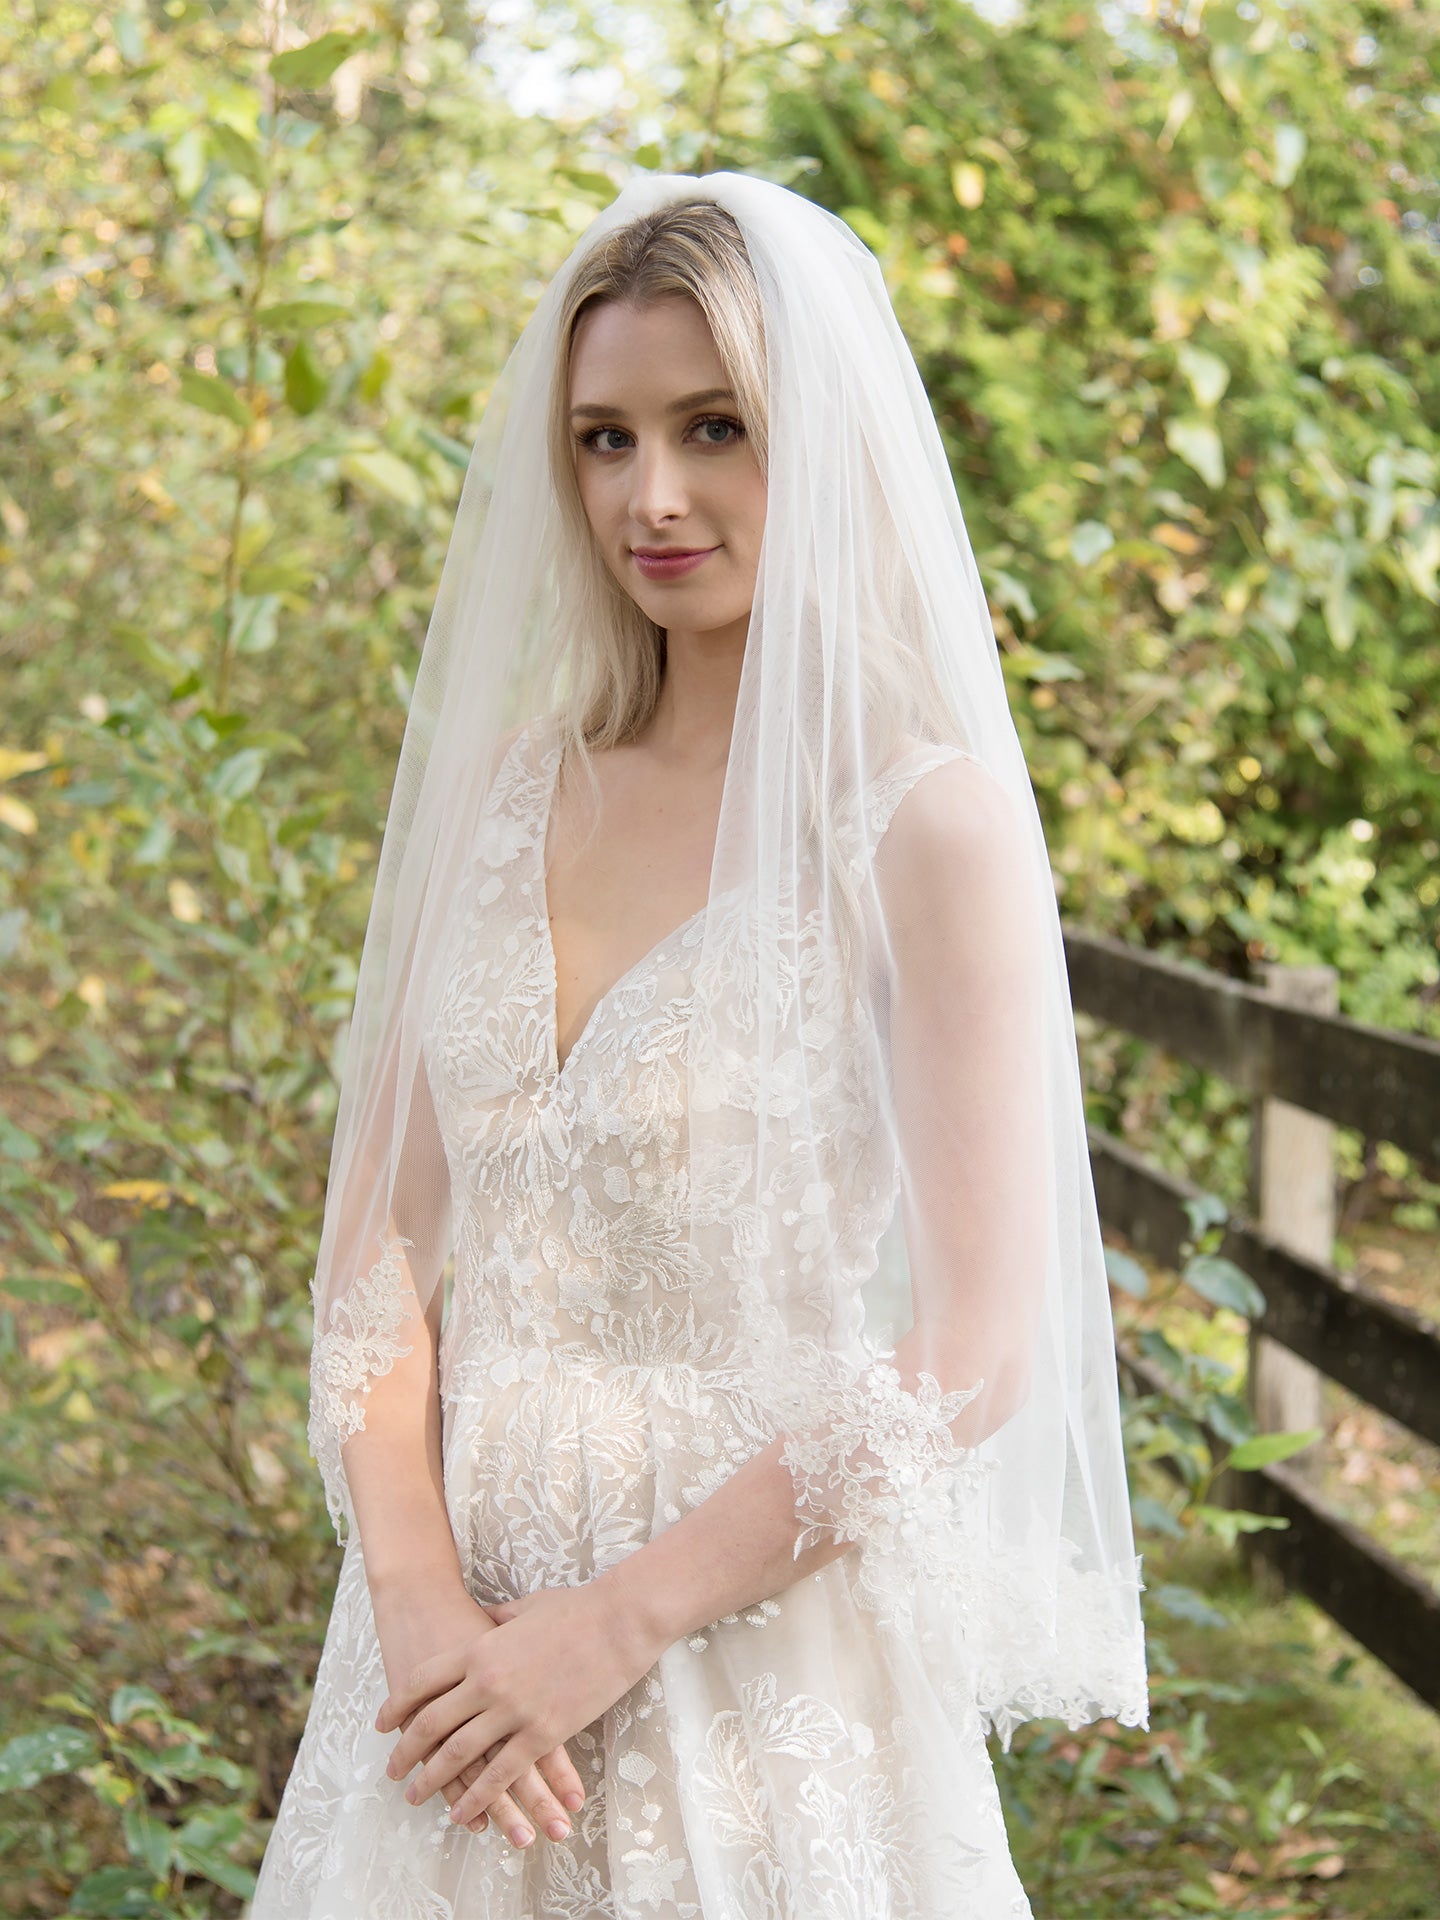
point(661, 563)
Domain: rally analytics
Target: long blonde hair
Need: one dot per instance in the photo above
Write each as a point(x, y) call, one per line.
point(693, 248)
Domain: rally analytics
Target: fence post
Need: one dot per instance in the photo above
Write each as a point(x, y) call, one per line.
point(1293, 1196)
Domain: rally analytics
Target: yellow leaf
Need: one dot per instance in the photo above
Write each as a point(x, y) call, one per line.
point(1178, 539)
point(150, 1193)
point(92, 991)
point(967, 181)
point(14, 813)
point(185, 902)
point(16, 521)
point(149, 487)
point(13, 762)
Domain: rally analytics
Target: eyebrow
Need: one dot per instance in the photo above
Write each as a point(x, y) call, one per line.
point(683, 405)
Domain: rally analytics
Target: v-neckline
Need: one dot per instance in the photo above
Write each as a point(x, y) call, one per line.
point(560, 1068)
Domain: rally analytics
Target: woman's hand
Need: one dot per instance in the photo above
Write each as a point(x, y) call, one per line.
point(414, 1628)
point(554, 1662)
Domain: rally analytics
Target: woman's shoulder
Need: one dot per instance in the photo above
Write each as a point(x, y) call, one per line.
point(942, 810)
point(940, 779)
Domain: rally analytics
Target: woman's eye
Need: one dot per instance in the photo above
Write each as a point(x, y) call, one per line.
point(598, 437)
point(719, 432)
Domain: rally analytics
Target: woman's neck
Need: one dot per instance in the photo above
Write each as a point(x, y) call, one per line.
point(695, 711)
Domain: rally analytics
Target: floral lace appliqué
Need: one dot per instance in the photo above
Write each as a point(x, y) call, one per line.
point(360, 1344)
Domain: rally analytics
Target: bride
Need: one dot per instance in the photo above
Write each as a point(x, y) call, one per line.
point(713, 1379)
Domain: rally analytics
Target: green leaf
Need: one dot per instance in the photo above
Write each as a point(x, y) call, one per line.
point(16, 1143)
point(255, 620)
point(147, 1838)
point(13, 922)
point(1154, 1514)
point(224, 255)
point(186, 158)
point(1154, 1345)
point(1266, 1448)
point(1126, 1273)
point(1183, 1603)
point(238, 775)
point(129, 29)
point(313, 64)
point(44, 1292)
point(1290, 146)
point(213, 395)
point(1089, 540)
point(1223, 1283)
point(215, 1867)
point(1228, 1414)
point(863, 223)
point(454, 451)
point(1228, 1523)
point(116, 1893)
point(1207, 373)
point(240, 155)
point(154, 847)
point(372, 381)
point(277, 577)
point(305, 382)
point(598, 184)
point(1151, 1786)
point(1203, 1211)
point(35, 1756)
point(130, 1702)
point(386, 473)
point(290, 315)
point(1045, 668)
point(1199, 446)
point(198, 1845)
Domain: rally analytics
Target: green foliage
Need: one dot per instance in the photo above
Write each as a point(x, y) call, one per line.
point(1174, 293)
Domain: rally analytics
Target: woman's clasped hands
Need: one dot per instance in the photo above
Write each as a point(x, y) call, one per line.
point(511, 1694)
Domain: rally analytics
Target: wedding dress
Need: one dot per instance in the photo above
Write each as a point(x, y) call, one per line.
point(796, 1761)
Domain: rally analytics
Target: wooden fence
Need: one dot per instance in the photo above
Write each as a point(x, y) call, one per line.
point(1307, 1069)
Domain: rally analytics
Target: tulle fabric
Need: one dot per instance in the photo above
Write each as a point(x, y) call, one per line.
point(932, 1339)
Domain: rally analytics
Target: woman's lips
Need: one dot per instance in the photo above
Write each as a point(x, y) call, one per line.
point(669, 566)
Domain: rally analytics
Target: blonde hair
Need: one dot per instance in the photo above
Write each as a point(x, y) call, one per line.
point(693, 248)
point(614, 653)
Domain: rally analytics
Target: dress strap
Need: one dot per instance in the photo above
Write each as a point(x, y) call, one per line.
point(889, 788)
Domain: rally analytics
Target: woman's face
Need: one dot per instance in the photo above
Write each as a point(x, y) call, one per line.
point(673, 492)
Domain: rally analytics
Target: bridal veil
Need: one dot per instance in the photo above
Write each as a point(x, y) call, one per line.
point(940, 1361)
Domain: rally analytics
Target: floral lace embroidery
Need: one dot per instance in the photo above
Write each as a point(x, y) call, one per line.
point(598, 1376)
point(359, 1345)
point(887, 1471)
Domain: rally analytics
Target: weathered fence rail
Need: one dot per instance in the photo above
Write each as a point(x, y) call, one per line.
point(1384, 1084)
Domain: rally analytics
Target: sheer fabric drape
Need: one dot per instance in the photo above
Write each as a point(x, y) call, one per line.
point(933, 1340)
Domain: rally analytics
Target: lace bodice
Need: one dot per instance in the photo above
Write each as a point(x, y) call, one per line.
point(570, 1180)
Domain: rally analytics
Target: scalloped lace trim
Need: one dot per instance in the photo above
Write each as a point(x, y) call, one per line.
point(360, 1344)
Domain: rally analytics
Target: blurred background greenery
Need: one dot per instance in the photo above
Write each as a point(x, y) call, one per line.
point(1172, 275)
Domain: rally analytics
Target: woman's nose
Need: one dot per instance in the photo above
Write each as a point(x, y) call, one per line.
point(658, 492)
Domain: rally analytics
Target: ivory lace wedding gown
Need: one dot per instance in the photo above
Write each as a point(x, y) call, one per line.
point(791, 1762)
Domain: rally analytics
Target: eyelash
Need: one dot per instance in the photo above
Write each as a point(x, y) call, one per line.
point(587, 440)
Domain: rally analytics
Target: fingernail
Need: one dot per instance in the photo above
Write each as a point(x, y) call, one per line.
point(522, 1836)
point(574, 1800)
point(558, 1829)
point(412, 1794)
